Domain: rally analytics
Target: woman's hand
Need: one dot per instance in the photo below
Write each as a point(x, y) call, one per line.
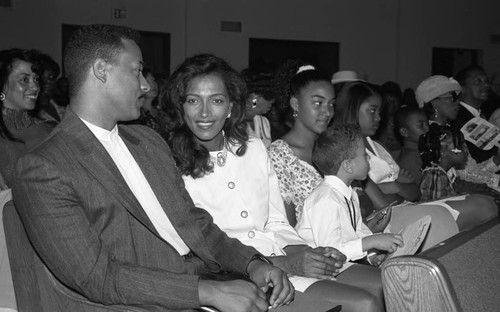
point(378, 220)
point(319, 262)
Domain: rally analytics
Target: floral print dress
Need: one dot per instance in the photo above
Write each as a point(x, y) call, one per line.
point(297, 179)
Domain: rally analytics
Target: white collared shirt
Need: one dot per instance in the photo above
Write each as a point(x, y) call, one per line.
point(138, 184)
point(327, 219)
point(474, 111)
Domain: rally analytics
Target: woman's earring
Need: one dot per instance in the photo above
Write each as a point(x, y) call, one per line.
point(254, 103)
point(2, 96)
point(295, 114)
point(228, 115)
point(436, 113)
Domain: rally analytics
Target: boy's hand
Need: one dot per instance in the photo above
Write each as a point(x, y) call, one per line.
point(386, 241)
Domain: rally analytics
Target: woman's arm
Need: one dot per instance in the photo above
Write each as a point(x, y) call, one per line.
point(408, 191)
point(379, 198)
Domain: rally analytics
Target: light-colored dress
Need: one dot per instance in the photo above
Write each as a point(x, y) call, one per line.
point(297, 179)
point(383, 168)
point(261, 129)
point(243, 198)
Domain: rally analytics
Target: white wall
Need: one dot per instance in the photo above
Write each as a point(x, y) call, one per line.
point(382, 40)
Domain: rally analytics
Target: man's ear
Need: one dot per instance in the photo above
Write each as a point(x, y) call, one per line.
point(347, 166)
point(100, 69)
point(403, 132)
point(294, 103)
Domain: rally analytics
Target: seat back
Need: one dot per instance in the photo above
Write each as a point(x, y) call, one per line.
point(460, 274)
point(413, 283)
point(35, 287)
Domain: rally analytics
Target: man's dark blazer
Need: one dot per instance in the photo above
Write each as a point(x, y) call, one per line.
point(478, 154)
point(92, 233)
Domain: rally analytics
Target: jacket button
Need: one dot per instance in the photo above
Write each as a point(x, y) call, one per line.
point(231, 185)
point(251, 234)
point(244, 214)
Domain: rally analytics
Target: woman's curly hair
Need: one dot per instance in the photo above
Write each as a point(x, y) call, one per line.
point(191, 157)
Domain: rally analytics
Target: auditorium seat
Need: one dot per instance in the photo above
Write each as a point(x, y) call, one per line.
point(460, 274)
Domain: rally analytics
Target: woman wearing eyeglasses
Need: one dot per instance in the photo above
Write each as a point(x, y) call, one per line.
point(440, 96)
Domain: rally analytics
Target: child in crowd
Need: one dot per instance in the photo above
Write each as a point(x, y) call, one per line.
point(331, 214)
point(443, 152)
point(411, 123)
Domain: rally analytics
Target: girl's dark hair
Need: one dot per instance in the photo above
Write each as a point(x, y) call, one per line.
point(259, 82)
point(349, 100)
point(401, 119)
point(191, 157)
point(288, 83)
point(430, 144)
point(7, 59)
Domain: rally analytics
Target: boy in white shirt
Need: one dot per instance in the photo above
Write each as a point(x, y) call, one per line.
point(331, 215)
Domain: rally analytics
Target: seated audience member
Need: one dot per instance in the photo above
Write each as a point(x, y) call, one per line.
point(411, 123)
point(278, 121)
point(105, 207)
point(292, 158)
point(332, 216)
point(20, 130)
point(48, 107)
point(259, 103)
point(340, 78)
point(443, 150)
point(438, 95)
point(475, 92)
point(358, 105)
point(151, 115)
point(392, 97)
point(230, 175)
point(409, 98)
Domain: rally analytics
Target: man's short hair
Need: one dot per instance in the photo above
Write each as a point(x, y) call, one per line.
point(334, 146)
point(90, 43)
point(463, 74)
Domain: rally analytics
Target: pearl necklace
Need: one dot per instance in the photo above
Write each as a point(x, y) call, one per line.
point(221, 156)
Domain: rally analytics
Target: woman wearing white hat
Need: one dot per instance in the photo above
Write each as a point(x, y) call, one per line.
point(439, 96)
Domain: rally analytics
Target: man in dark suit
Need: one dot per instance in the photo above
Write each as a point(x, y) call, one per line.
point(475, 92)
point(106, 209)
